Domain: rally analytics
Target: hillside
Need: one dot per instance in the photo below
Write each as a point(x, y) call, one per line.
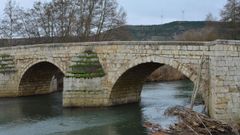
point(129, 32)
point(161, 32)
point(156, 32)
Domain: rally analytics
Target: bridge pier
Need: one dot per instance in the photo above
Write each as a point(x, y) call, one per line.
point(84, 82)
point(8, 85)
point(80, 92)
point(8, 76)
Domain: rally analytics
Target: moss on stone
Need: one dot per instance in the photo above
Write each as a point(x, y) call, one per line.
point(87, 56)
point(7, 63)
point(86, 65)
point(4, 55)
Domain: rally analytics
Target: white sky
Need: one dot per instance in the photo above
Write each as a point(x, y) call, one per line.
point(157, 11)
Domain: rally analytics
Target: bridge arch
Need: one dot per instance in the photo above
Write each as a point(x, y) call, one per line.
point(130, 78)
point(36, 78)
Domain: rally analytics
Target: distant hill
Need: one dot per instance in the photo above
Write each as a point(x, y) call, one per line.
point(156, 32)
point(162, 32)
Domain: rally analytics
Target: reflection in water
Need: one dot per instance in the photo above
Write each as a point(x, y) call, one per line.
point(44, 115)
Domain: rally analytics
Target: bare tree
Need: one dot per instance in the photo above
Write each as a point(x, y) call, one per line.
point(41, 15)
point(10, 24)
point(231, 11)
point(109, 17)
point(81, 6)
point(210, 18)
point(62, 16)
point(30, 25)
point(231, 15)
point(86, 19)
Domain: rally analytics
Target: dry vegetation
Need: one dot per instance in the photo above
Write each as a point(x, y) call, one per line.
point(192, 123)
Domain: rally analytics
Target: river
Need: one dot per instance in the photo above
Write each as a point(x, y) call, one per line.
point(44, 115)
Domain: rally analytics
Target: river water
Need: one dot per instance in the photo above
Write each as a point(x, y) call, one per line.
point(44, 115)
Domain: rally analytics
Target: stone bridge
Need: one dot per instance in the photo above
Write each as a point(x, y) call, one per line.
point(113, 73)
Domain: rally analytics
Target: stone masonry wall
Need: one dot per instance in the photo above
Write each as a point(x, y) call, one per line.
point(128, 87)
point(80, 92)
point(185, 57)
point(84, 81)
point(37, 79)
point(7, 71)
point(165, 73)
point(219, 83)
point(225, 80)
point(27, 56)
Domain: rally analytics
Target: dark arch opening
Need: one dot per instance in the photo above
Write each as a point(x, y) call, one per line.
point(41, 78)
point(128, 87)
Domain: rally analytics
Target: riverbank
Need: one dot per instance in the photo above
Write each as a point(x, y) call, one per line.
point(192, 123)
point(165, 73)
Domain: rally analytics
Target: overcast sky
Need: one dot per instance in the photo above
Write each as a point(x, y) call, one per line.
point(158, 11)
